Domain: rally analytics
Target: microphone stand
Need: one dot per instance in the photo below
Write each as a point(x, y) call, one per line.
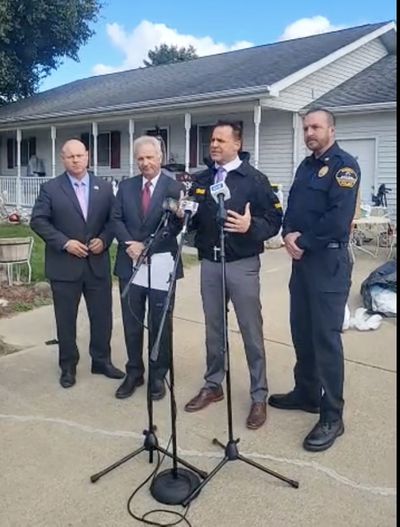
point(150, 443)
point(231, 448)
point(171, 486)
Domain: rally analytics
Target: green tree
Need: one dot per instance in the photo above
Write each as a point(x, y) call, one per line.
point(35, 35)
point(165, 54)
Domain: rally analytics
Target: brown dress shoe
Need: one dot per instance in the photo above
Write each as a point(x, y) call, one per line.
point(204, 398)
point(257, 415)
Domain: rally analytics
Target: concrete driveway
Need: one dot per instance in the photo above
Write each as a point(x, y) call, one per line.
point(52, 440)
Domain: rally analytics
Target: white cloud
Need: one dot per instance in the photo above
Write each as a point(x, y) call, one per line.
point(305, 27)
point(147, 35)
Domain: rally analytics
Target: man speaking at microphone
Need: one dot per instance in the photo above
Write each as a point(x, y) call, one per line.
point(137, 214)
point(253, 215)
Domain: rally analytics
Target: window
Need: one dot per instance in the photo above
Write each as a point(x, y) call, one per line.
point(108, 148)
point(204, 143)
point(103, 149)
point(28, 149)
point(163, 133)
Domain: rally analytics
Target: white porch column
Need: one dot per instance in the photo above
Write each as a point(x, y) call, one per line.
point(257, 121)
point(131, 132)
point(53, 151)
point(188, 124)
point(18, 182)
point(94, 132)
point(297, 138)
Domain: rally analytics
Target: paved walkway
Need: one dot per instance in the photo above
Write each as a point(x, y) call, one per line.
point(52, 439)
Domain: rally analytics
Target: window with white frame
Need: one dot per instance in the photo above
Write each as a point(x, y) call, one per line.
point(103, 149)
point(163, 133)
point(28, 148)
point(205, 132)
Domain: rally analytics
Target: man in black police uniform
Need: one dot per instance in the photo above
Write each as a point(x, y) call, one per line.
point(316, 230)
point(254, 215)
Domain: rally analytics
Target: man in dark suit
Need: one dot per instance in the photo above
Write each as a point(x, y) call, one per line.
point(137, 213)
point(73, 216)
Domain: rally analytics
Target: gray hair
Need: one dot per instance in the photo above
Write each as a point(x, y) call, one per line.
point(147, 140)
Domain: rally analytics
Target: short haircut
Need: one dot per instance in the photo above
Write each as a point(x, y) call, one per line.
point(329, 114)
point(147, 140)
point(236, 128)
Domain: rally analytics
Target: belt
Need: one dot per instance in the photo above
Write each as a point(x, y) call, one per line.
point(336, 245)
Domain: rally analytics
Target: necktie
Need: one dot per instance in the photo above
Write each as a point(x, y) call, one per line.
point(219, 175)
point(80, 194)
point(146, 197)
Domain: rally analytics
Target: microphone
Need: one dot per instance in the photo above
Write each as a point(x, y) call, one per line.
point(220, 190)
point(169, 206)
point(220, 193)
point(189, 209)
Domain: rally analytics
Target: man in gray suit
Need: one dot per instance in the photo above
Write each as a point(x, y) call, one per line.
point(137, 213)
point(72, 215)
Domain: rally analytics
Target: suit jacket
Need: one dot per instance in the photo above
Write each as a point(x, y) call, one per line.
point(129, 224)
point(57, 218)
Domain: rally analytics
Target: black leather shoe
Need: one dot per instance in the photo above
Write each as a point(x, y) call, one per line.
point(107, 369)
point(68, 377)
point(323, 435)
point(292, 401)
point(128, 386)
point(157, 390)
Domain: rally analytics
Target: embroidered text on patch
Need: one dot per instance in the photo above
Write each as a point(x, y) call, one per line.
point(346, 177)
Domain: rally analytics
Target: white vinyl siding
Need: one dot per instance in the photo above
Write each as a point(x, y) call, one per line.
point(314, 86)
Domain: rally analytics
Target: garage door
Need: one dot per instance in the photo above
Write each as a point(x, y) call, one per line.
point(364, 151)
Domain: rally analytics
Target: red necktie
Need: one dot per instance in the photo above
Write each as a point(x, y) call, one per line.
point(146, 197)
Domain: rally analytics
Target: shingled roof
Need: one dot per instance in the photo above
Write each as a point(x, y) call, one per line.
point(376, 84)
point(245, 71)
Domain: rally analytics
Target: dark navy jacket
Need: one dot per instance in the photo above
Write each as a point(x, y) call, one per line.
point(246, 184)
point(322, 199)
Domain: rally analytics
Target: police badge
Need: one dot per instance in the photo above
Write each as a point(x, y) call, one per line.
point(323, 171)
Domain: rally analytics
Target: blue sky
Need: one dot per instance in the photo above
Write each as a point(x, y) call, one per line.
point(127, 30)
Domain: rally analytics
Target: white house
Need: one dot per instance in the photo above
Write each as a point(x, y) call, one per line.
point(267, 88)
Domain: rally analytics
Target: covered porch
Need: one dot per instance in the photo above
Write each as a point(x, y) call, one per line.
point(267, 134)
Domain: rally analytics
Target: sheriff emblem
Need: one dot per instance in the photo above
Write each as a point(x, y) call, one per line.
point(346, 177)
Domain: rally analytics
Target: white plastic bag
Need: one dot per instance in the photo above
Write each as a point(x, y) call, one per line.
point(363, 321)
point(383, 300)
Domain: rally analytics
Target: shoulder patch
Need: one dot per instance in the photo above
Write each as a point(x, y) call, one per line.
point(346, 177)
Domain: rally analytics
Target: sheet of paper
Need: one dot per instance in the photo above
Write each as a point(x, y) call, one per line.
point(161, 269)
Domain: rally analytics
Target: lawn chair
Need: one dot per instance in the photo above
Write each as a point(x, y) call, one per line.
point(14, 253)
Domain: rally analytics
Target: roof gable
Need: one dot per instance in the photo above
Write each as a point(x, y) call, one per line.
point(374, 85)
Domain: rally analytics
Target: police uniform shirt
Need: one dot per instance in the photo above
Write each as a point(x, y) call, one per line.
point(322, 199)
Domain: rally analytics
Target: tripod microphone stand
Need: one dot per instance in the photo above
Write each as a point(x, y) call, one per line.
point(231, 447)
point(150, 443)
point(171, 486)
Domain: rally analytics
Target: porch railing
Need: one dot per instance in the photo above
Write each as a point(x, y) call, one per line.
point(24, 191)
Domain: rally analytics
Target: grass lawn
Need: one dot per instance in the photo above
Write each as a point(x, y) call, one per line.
point(37, 259)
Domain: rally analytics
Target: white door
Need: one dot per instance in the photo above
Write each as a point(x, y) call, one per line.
point(364, 152)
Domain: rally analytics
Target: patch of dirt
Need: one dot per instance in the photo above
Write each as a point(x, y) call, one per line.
point(19, 298)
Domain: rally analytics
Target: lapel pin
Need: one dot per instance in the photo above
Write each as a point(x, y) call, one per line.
point(96, 187)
